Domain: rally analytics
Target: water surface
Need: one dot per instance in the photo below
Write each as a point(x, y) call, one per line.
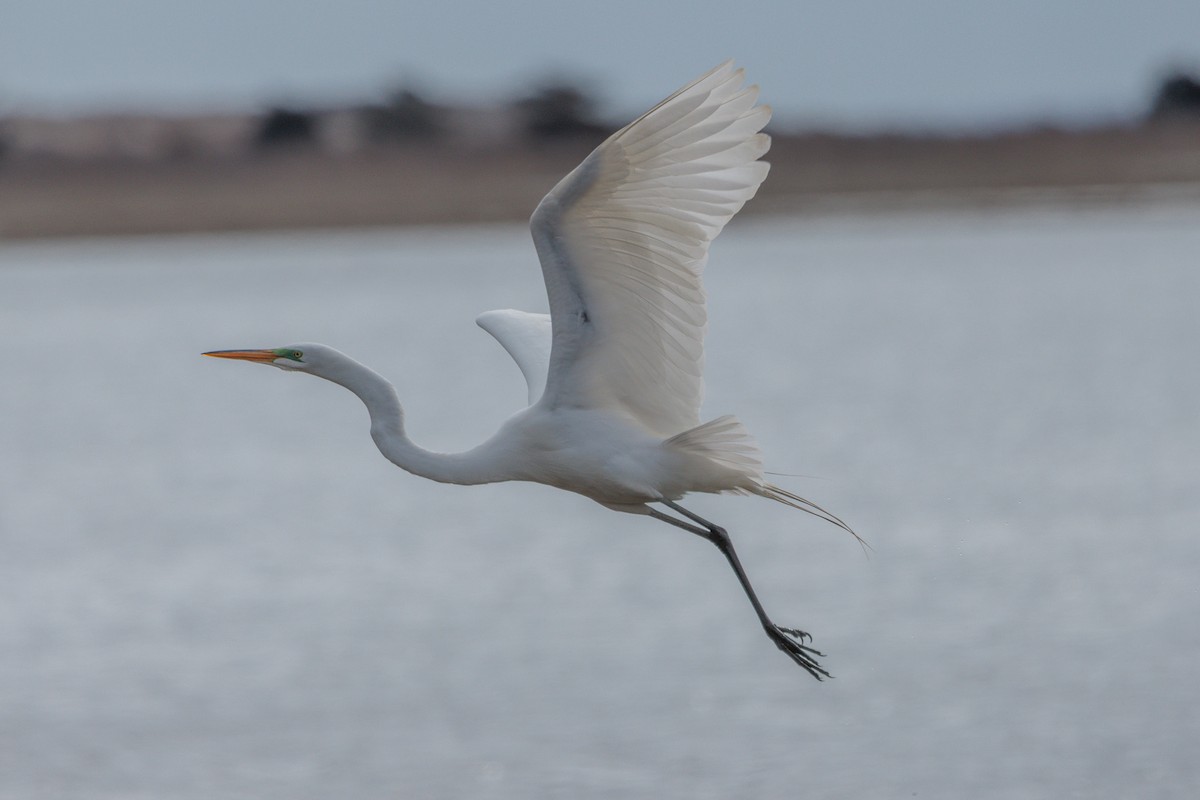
point(214, 587)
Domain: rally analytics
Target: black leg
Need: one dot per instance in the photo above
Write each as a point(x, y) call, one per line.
point(789, 640)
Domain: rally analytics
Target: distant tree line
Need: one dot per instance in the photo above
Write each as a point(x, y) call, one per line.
point(404, 116)
point(562, 111)
point(1178, 97)
point(559, 111)
point(556, 111)
point(283, 127)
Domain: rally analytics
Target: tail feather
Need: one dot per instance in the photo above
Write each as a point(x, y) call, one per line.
point(809, 507)
point(727, 443)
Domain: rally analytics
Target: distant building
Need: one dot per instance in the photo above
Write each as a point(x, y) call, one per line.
point(128, 136)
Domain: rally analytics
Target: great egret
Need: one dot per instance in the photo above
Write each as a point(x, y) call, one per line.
point(614, 371)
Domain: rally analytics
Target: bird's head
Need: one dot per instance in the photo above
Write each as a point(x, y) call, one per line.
point(314, 359)
point(293, 357)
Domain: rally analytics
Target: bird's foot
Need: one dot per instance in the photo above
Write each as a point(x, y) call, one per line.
point(792, 642)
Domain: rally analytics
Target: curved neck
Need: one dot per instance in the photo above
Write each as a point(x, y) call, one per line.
point(387, 429)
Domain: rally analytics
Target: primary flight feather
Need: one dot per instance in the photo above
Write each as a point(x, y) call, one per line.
point(615, 373)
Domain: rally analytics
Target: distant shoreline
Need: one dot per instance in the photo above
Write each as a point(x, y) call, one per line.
point(443, 184)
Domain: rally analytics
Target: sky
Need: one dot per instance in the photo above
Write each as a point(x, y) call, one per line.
point(853, 64)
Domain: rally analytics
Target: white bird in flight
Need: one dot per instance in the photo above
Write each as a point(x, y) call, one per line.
point(615, 370)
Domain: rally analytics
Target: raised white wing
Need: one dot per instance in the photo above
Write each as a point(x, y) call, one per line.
point(526, 337)
point(623, 240)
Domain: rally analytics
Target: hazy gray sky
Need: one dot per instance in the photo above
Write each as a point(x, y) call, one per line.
point(854, 63)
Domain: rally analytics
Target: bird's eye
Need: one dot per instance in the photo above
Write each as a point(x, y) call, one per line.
point(297, 355)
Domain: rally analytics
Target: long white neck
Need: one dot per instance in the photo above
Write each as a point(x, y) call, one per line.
point(387, 429)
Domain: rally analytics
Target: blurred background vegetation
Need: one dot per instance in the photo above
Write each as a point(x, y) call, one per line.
point(410, 158)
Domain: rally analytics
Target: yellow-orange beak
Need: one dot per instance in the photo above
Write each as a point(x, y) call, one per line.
point(261, 356)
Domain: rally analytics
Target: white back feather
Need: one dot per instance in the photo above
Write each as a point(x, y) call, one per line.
point(623, 241)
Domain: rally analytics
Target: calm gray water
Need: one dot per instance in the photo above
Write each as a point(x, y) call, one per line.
point(212, 586)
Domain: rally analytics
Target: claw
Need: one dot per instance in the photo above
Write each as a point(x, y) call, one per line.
point(791, 642)
point(799, 634)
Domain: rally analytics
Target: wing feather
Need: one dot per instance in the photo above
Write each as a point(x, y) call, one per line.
point(526, 337)
point(623, 241)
